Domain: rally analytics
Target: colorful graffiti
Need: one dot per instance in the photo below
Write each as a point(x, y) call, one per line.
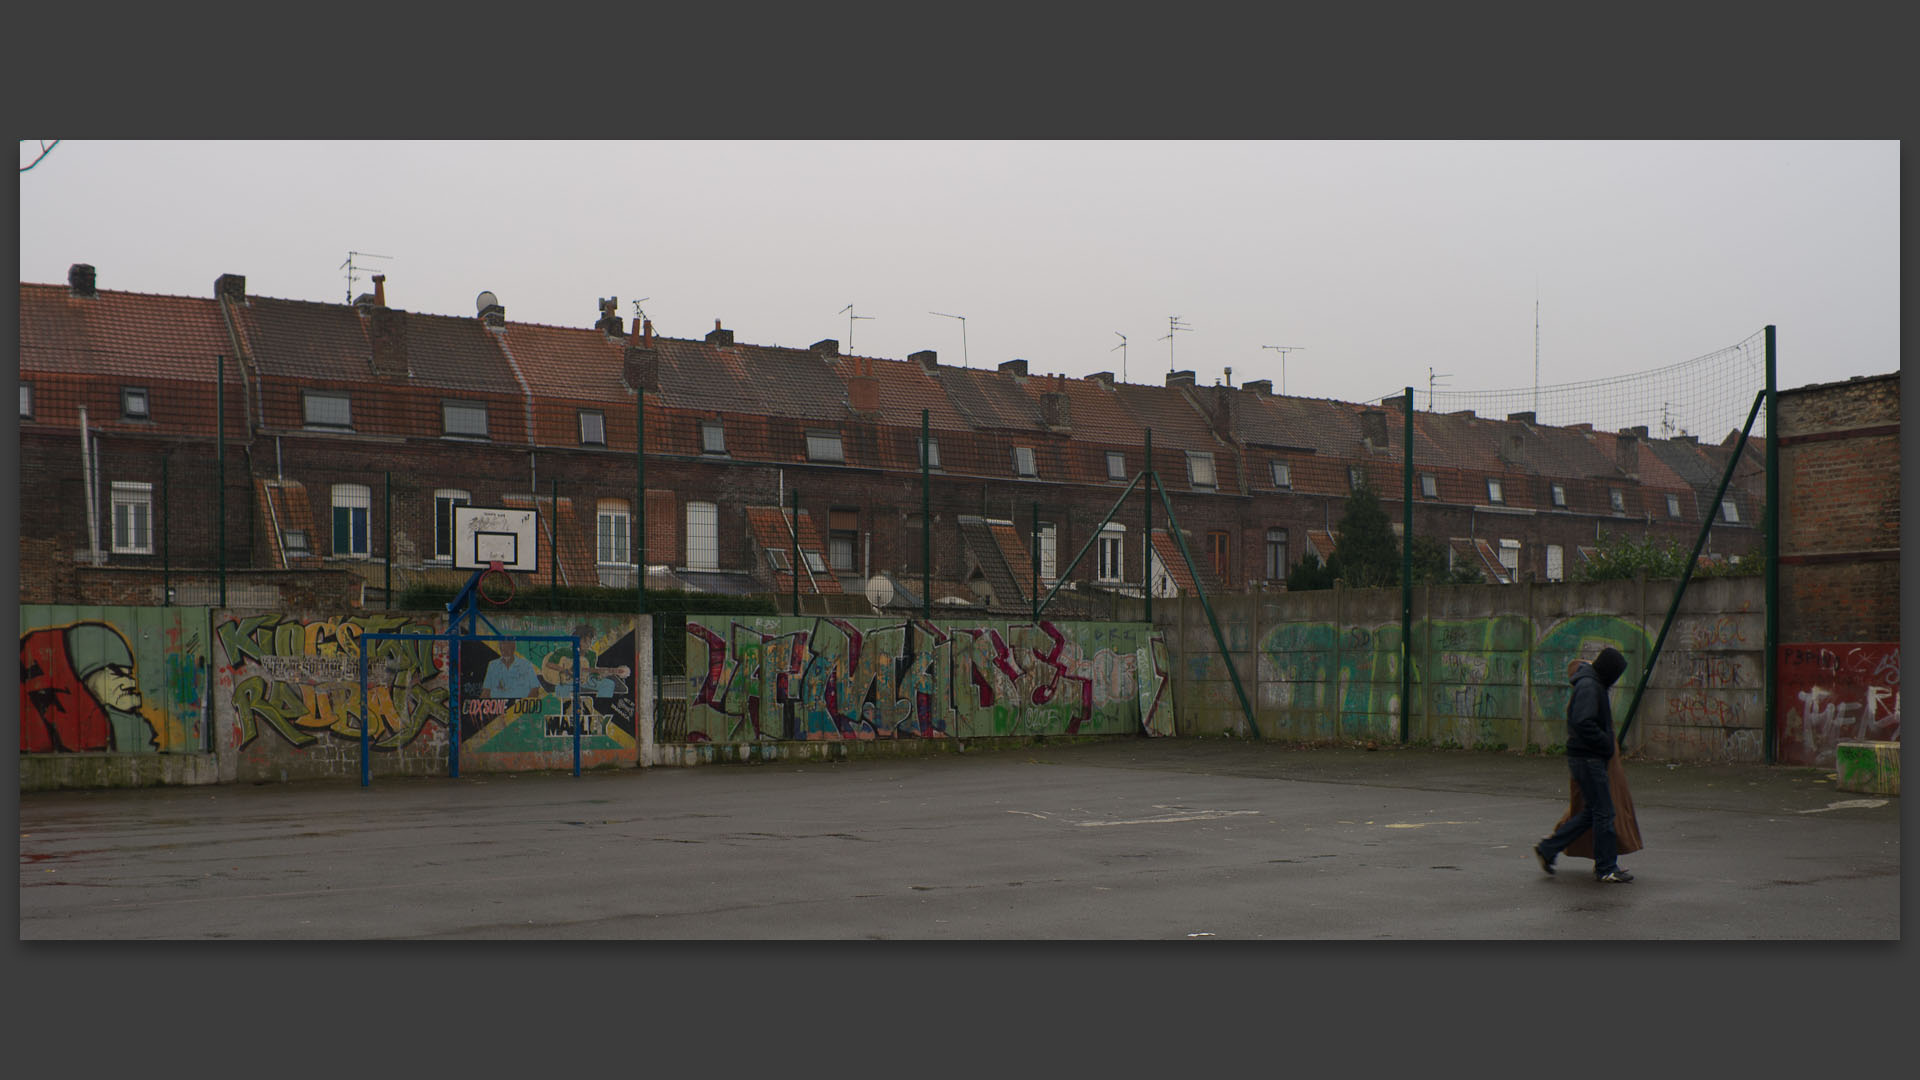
point(517, 697)
point(112, 680)
point(300, 678)
point(773, 677)
point(1830, 693)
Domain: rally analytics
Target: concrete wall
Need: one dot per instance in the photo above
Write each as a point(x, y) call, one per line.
point(1489, 665)
point(781, 678)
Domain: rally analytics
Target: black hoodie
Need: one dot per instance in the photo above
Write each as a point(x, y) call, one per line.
point(1589, 712)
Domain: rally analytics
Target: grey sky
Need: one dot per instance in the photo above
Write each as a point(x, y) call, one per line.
point(1380, 262)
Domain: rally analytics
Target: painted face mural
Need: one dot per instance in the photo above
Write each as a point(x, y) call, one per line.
point(74, 682)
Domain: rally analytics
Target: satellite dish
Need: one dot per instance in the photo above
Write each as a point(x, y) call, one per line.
point(485, 300)
point(879, 591)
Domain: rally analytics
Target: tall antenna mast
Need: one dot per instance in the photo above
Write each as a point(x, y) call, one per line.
point(1174, 326)
point(1283, 350)
point(963, 334)
point(847, 311)
point(353, 271)
point(1123, 354)
point(1431, 380)
point(640, 313)
point(1536, 348)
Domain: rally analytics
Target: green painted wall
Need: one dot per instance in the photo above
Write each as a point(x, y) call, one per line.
point(129, 680)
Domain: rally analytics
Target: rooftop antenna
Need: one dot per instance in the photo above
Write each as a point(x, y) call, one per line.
point(1283, 350)
point(640, 313)
point(848, 312)
point(1433, 380)
point(353, 271)
point(1123, 354)
point(1536, 347)
point(963, 334)
point(1174, 326)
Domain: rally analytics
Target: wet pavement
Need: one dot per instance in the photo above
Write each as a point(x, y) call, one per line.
point(1123, 840)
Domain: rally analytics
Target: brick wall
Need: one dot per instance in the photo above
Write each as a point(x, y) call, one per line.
point(1840, 511)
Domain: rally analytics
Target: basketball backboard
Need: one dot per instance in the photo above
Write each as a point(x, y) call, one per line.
point(489, 534)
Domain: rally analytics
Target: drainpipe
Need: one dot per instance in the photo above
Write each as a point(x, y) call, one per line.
point(86, 477)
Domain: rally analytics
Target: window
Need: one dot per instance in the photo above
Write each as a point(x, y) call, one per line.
point(132, 518)
point(824, 446)
point(613, 532)
point(320, 409)
point(843, 538)
point(444, 501)
point(1510, 557)
point(1556, 563)
point(1277, 555)
point(26, 401)
point(1559, 495)
point(713, 437)
point(778, 560)
point(350, 503)
point(593, 428)
point(1049, 551)
point(1200, 468)
point(1495, 494)
point(1356, 477)
point(932, 460)
point(1429, 486)
point(1023, 462)
point(1110, 549)
point(133, 403)
point(1617, 499)
point(1729, 512)
point(1673, 506)
point(1116, 465)
point(294, 542)
point(813, 562)
point(1282, 474)
point(703, 536)
point(464, 418)
point(1217, 556)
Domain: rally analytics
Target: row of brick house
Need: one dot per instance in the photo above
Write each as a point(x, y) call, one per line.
point(343, 434)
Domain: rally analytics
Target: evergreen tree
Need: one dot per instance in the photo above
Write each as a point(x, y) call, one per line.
point(1364, 546)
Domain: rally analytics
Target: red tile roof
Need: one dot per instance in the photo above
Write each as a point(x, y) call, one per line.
point(771, 529)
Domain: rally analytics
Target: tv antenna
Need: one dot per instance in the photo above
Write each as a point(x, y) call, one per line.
point(1536, 348)
point(1283, 350)
point(963, 334)
point(1174, 326)
point(1123, 354)
point(353, 271)
point(848, 312)
point(640, 313)
point(1433, 380)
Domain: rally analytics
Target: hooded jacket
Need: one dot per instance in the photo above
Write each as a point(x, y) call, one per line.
point(1590, 713)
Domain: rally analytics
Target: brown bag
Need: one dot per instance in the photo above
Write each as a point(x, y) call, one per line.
point(1626, 830)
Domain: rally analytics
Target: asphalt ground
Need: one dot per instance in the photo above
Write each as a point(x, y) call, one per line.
point(1134, 840)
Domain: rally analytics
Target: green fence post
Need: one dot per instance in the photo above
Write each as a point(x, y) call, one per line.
point(220, 455)
point(166, 553)
point(926, 520)
point(553, 533)
point(795, 530)
point(1406, 574)
point(1767, 662)
point(1146, 534)
point(387, 531)
point(640, 502)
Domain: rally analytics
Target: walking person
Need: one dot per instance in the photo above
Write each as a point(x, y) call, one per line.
point(1590, 747)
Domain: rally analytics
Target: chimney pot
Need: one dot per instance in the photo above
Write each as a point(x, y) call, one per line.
point(718, 336)
point(80, 279)
point(379, 290)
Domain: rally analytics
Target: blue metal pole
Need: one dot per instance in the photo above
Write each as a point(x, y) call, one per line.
point(366, 767)
point(577, 721)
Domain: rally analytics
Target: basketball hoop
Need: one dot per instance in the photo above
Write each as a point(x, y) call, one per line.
point(503, 587)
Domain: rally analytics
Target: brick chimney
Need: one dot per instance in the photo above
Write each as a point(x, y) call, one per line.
point(1373, 428)
point(1626, 451)
point(1262, 387)
point(1104, 378)
point(718, 336)
point(926, 358)
point(1015, 367)
point(1054, 407)
point(1179, 378)
point(493, 314)
point(863, 390)
point(232, 287)
point(387, 333)
point(1521, 418)
point(826, 348)
point(640, 366)
point(609, 323)
point(379, 290)
point(80, 280)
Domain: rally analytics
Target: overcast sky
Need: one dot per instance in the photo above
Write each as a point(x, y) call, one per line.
point(1377, 264)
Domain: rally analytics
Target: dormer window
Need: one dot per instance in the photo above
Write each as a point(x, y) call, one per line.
point(1673, 506)
point(1356, 477)
point(1729, 512)
point(1116, 465)
point(713, 437)
point(1023, 462)
point(778, 560)
point(326, 409)
point(1559, 495)
point(1495, 494)
point(133, 403)
point(1282, 474)
point(26, 401)
point(593, 428)
point(932, 453)
point(1200, 468)
point(1429, 486)
point(1617, 499)
point(825, 446)
point(464, 418)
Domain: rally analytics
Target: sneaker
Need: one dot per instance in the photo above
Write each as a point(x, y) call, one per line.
point(1615, 875)
point(1546, 860)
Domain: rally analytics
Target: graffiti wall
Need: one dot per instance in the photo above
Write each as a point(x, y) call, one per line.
point(1830, 693)
point(786, 678)
point(113, 679)
point(518, 705)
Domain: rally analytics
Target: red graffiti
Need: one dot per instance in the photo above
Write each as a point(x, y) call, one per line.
point(70, 677)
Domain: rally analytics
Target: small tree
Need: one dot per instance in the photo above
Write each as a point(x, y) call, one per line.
point(1309, 574)
point(1364, 546)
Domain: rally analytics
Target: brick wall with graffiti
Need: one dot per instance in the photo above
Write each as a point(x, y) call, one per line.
point(518, 702)
point(1835, 692)
point(755, 678)
point(1488, 665)
point(129, 680)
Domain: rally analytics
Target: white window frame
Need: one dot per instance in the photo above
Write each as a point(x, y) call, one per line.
point(613, 533)
point(1673, 506)
point(1200, 472)
point(1049, 551)
point(1281, 472)
point(1496, 493)
point(1429, 486)
point(713, 437)
point(593, 427)
point(444, 500)
point(1510, 557)
point(357, 501)
point(1277, 538)
point(465, 411)
point(1023, 463)
point(1116, 465)
point(813, 560)
point(1558, 493)
point(1617, 499)
point(825, 446)
point(26, 401)
point(132, 518)
point(131, 394)
point(703, 536)
point(1556, 563)
point(843, 542)
point(1729, 511)
point(340, 398)
point(932, 451)
point(1111, 550)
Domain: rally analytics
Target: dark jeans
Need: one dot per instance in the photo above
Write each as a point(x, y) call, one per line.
point(1591, 774)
